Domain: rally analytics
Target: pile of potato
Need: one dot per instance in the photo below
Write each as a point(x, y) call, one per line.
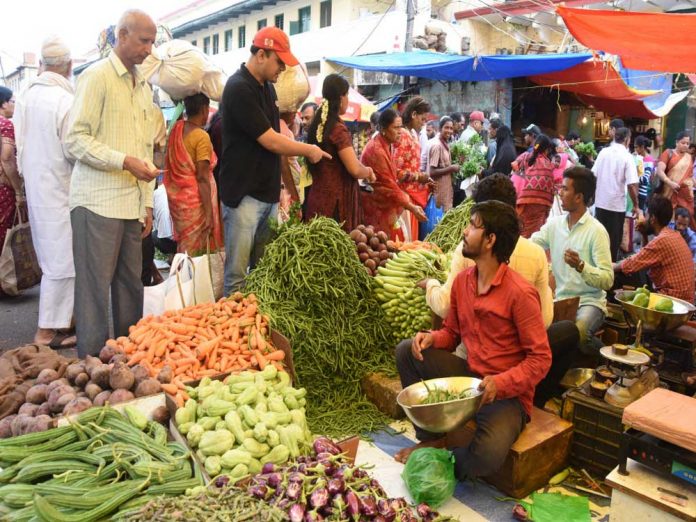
point(94, 381)
point(374, 248)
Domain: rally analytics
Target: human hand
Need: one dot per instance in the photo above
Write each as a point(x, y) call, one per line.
point(572, 258)
point(673, 184)
point(454, 168)
point(419, 213)
point(422, 341)
point(140, 169)
point(370, 178)
point(637, 214)
point(489, 390)
point(315, 154)
point(147, 225)
point(423, 178)
point(423, 283)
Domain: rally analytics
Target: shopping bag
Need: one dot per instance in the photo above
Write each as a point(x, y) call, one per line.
point(434, 215)
point(19, 267)
point(176, 292)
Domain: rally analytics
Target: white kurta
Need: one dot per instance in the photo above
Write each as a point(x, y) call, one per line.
point(41, 119)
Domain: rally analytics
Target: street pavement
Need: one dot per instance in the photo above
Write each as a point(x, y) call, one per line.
point(18, 318)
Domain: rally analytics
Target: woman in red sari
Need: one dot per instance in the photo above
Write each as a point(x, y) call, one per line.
point(407, 158)
point(675, 170)
point(382, 207)
point(335, 191)
point(11, 193)
point(188, 178)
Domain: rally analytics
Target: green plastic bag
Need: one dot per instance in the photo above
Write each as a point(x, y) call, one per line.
point(552, 507)
point(429, 476)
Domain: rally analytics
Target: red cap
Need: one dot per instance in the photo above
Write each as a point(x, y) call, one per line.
point(273, 39)
point(476, 116)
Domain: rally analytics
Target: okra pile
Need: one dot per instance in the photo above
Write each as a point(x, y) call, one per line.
point(312, 285)
point(250, 419)
point(91, 469)
point(402, 301)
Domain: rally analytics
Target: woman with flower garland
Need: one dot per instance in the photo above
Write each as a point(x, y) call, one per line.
point(335, 192)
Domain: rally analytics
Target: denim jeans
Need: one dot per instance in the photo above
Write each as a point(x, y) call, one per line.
point(246, 233)
point(588, 320)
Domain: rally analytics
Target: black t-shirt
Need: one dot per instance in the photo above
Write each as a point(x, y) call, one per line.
point(247, 169)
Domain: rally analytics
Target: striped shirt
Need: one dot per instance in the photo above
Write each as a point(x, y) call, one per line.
point(111, 119)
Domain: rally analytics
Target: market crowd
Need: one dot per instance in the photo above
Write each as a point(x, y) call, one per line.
point(548, 224)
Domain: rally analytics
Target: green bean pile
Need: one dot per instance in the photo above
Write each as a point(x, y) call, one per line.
point(449, 231)
point(312, 285)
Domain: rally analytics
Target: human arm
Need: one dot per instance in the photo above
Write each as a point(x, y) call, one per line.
point(353, 165)
point(542, 237)
point(533, 342)
point(278, 144)
point(633, 193)
point(437, 295)
point(439, 172)
point(649, 255)
point(541, 283)
point(597, 272)
point(147, 223)
point(9, 166)
point(449, 335)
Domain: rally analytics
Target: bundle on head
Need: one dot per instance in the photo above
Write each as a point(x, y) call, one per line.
point(316, 292)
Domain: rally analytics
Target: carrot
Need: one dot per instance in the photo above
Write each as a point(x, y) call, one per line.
point(170, 388)
point(179, 399)
point(277, 355)
point(136, 358)
point(260, 342)
point(205, 348)
point(278, 366)
point(260, 359)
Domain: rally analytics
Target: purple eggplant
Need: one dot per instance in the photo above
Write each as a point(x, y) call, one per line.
point(424, 510)
point(221, 481)
point(296, 476)
point(385, 510)
point(323, 444)
point(268, 467)
point(407, 516)
point(520, 513)
point(379, 518)
point(327, 511)
point(275, 479)
point(319, 498)
point(279, 491)
point(368, 506)
point(335, 486)
point(338, 502)
point(293, 491)
point(352, 503)
point(258, 491)
point(397, 504)
point(283, 504)
point(297, 512)
point(313, 516)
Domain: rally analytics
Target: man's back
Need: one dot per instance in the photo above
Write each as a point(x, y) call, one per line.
point(615, 168)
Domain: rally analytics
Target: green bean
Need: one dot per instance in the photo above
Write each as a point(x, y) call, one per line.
point(449, 231)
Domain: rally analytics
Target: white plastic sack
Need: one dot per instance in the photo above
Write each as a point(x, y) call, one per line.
point(182, 70)
point(176, 292)
point(292, 88)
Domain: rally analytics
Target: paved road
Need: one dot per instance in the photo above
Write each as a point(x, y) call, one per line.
point(18, 318)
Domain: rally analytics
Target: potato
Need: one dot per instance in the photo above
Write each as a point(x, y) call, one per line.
point(43, 423)
point(28, 409)
point(370, 263)
point(100, 375)
point(82, 381)
point(119, 357)
point(106, 354)
point(165, 375)
point(22, 424)
point(374, 242)
point(121, 377)
point(77, 405)
point(36, 394)
point(47, 375)
point(383, 262)
point(55, 384)
point(383, 254)
point(102, 398)
point(362, 247)
point(91, 363)
point(148, 387)
point(383, 237)
point(140, 373)
point(120, 395)
point(92, 390)
point(59, 397)
point(364, 256)
point(74, 370)
point(44, 409)
point(6, 427)
point(161, 415)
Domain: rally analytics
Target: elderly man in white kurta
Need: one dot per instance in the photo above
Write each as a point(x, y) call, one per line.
point(41, 121)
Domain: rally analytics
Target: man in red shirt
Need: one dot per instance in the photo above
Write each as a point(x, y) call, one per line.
point(496, 313)
point(667, 257)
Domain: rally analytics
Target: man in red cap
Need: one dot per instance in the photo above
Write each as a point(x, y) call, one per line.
point(251, 150)
point(476, 119)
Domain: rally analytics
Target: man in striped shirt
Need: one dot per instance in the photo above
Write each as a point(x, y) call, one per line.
point(111, 136)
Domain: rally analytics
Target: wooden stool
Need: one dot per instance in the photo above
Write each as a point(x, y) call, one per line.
point(541, 451)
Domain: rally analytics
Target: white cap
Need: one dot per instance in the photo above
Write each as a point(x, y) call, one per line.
point(54, 51)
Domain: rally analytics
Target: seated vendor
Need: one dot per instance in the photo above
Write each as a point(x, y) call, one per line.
point(497, 314)
point(580, 254)
point(528, 260)
point(681, 222)
point(666, 257)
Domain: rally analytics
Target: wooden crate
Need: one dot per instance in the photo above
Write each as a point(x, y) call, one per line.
point(541, 451)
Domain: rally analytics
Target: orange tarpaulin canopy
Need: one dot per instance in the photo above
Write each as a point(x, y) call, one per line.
point(594, 78)
point(644, 41)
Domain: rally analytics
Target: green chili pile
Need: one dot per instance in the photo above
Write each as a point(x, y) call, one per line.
point(448, 233)
point(312, 285)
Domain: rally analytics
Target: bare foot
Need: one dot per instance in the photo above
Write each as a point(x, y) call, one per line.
point(403, 455)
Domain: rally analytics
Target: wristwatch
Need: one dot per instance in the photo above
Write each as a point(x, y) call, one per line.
point(580, 267)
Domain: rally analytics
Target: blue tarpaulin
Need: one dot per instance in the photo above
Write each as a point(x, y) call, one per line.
point(649, 81)
point(454, 67)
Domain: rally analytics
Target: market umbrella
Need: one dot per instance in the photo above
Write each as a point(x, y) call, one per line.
point(359, 107)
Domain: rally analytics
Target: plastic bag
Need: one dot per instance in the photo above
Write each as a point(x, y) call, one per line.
point(429, 476)
point(550, 507)
point(434, 215)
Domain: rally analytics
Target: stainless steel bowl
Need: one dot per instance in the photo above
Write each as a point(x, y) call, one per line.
point(654, 320)
point(440, 417)
point(576, 377)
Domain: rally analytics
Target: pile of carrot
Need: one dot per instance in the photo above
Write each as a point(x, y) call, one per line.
point(416, 245)
point(230, 335)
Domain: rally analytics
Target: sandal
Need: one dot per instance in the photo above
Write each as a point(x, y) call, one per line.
point(58, 341)
point(689, 378)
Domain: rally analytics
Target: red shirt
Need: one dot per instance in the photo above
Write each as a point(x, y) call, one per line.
point(503, 332)
point(670, 265)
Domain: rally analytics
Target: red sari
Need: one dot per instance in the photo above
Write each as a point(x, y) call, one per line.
point(381, 208)
point(185, 207)
point(407, 155)
point(8, 204)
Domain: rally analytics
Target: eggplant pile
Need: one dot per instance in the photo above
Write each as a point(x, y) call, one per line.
point(327, 488)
